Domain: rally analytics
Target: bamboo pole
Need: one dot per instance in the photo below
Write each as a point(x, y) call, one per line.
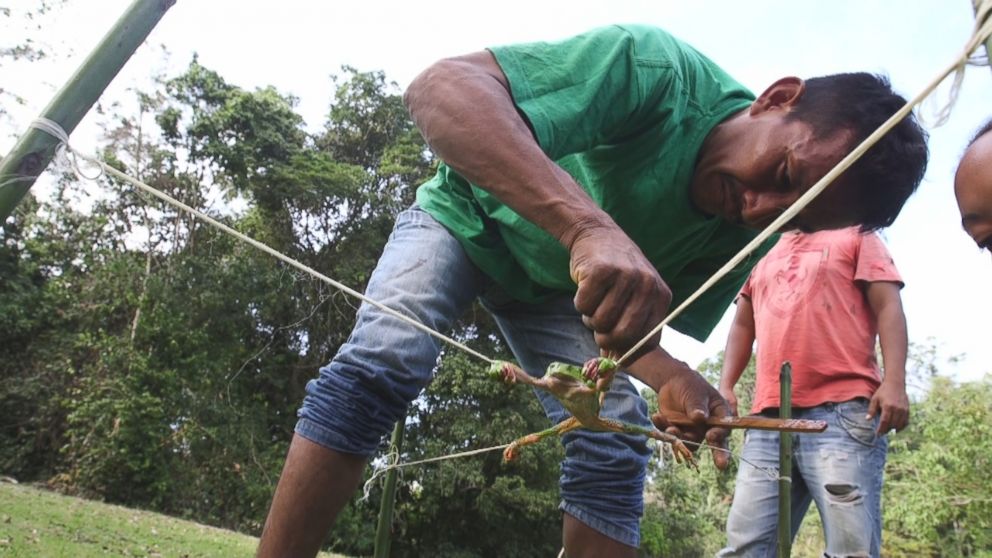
point(34, 150)
point(384, 528)
point(785, 465)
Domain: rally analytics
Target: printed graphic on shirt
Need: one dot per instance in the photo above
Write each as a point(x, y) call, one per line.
point(795, 280)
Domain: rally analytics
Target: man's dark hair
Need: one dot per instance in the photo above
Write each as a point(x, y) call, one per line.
point(986, 128)
point(889, 172)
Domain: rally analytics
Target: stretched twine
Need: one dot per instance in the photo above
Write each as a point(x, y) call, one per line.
point(54, 129)
point(392, 461)
point(393, 458)
point(979, 33)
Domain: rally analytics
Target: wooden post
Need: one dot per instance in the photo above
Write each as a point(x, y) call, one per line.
point(785, 465)
point(383, 530)
point(34, 150)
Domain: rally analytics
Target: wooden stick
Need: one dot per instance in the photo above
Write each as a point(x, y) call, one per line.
point(758, 423)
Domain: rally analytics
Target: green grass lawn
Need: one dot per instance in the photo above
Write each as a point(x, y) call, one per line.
point(41, 524)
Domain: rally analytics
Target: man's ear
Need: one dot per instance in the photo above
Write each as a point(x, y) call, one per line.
point(782, 94)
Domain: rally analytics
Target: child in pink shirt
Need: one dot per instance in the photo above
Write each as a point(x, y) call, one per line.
point(819, 301)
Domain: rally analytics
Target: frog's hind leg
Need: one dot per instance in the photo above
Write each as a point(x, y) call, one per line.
point(513, 450)
point(681, 452)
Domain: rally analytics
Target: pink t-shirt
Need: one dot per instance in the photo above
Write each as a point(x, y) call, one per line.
point(810, 309)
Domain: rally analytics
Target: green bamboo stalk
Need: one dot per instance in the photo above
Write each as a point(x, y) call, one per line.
point(34, 150)
point(785, 464)
point(383, 530)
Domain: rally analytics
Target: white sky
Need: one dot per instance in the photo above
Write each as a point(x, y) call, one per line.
point(296, 45)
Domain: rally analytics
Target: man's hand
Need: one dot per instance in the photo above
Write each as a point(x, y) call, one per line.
point(620, 295)
point(892, 401)
point(686, 392)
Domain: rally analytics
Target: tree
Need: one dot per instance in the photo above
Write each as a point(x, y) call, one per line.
point(937, 499)
point(166, 360)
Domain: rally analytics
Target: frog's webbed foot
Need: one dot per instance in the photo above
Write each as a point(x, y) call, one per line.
point(679, 449)
point(600, 370)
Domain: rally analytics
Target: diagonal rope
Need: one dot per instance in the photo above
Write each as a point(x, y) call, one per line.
point(982, 31)
point(53, 128)
point(393, 462)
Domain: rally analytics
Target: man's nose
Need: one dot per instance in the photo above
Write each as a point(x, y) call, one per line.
point(760, 208)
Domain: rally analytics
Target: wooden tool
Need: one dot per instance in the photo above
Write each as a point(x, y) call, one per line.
point(758, 423)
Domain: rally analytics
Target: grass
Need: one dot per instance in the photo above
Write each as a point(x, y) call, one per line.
point(39, 523)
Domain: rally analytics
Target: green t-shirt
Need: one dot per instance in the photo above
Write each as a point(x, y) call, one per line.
point(623, 109)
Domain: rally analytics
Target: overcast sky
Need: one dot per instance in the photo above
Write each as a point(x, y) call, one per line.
point(296, 45)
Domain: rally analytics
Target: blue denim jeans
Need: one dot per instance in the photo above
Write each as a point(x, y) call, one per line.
point(424, 273)
point(839, 469)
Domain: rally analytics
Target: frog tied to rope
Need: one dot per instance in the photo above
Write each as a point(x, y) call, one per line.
point(581, 391)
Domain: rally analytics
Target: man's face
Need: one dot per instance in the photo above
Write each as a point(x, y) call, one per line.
point(754, 169)
point(973, 189)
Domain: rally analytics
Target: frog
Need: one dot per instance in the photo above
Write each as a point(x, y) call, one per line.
point(581, 390)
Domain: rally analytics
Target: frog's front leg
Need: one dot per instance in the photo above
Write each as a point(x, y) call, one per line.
point(600, 370)
point(510, 373)
point(513, 450)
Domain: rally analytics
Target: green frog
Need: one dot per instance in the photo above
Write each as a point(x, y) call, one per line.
point(581, 391)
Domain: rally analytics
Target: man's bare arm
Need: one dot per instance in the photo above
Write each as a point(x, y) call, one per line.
point(465, 111)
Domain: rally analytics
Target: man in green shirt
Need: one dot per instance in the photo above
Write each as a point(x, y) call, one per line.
point(587, 184)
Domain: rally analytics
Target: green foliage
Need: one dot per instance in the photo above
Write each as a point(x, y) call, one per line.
point(158, 363)
point(937, 499)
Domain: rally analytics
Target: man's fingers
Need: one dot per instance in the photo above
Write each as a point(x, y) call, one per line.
point(716, 438)
point(872, 407)
point(611, 310)
point(905, 420)
point(900, 418)
point(589, 295)
point(720, 407)
point(660, 421)
point(699, 415)
point(885, 422)
point(633, 324)
point(697, 406)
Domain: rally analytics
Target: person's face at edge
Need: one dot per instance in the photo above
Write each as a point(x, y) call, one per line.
point(757, 163)
point(973, 190)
